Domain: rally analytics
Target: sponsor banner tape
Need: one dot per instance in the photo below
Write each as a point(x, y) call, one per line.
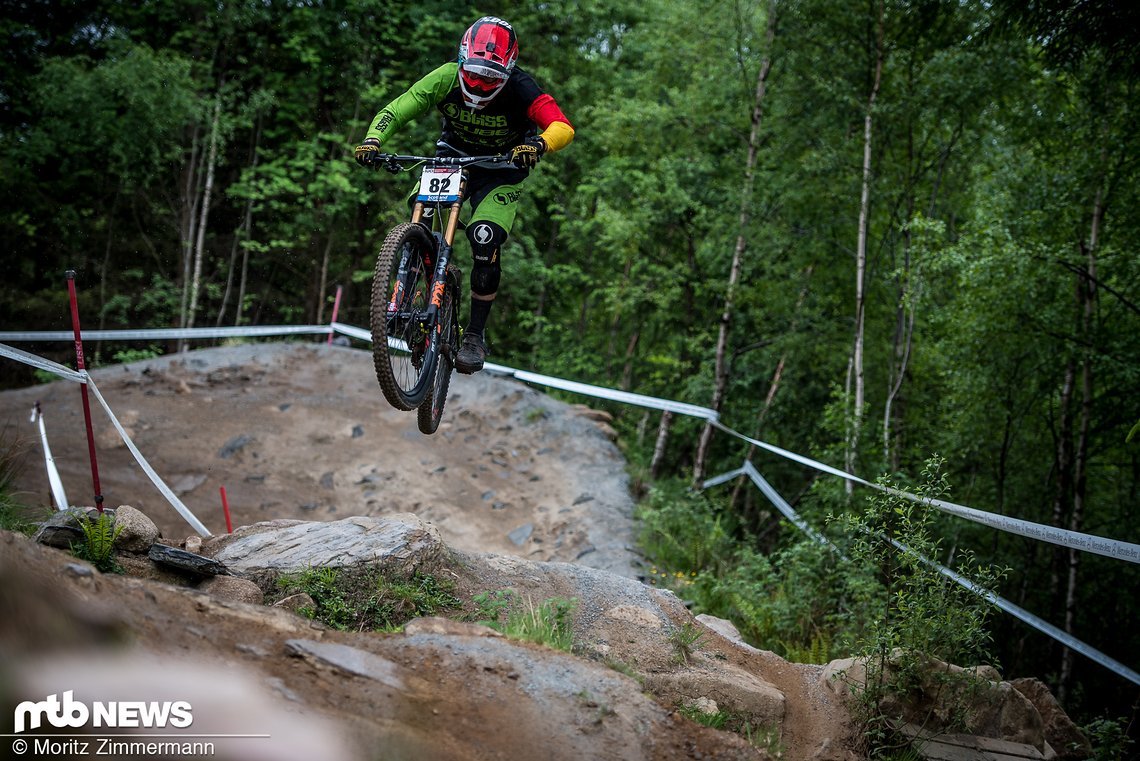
point(1017, 612)
point(1037, 623)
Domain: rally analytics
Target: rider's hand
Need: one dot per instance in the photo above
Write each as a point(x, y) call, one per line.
point(525, 156)
point(367, 152)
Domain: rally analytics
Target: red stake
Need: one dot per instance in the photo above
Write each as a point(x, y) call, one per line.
point(83, 389)
point(336, 308)
point(226, 510)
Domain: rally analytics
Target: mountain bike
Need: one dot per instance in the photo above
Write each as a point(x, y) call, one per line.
point(416, 289)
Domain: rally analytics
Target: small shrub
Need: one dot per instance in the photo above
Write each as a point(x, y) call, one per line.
point(1109, 739)
point(126, 356)
point(489, 606)
point(14, 516)
point(924, 616)
point(683, 531)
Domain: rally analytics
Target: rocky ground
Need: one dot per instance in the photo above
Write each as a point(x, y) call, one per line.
point(300, 430)
point(516, 492)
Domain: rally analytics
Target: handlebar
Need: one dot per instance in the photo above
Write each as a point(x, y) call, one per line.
point(395, 162)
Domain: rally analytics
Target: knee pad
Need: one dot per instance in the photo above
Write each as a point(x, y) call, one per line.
point(486, 243)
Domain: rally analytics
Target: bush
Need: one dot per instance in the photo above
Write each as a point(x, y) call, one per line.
point(924, 614)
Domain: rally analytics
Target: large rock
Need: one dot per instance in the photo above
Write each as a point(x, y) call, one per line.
point(1063, 735)
point(263, 551)
point(732, 689)
point(946, 696)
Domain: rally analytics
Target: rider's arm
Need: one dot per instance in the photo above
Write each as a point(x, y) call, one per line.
point(557, 132)
point(416, 102)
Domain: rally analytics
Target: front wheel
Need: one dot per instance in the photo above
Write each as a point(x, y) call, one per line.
point(400, 297)
point(431, 410)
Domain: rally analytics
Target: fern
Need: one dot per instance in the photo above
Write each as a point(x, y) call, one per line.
point(98, 545)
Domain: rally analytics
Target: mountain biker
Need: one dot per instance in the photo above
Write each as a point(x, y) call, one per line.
point(489, 106)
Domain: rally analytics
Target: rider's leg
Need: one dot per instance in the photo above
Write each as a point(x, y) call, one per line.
point(494, 208)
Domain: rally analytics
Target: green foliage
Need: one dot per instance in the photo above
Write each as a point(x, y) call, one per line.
point(715, 719)
point(99, 535)
point(683, 531)
point(14, 516)
point(1109, 739)
point(925, 614)
point(800, 600)
point(548, 623)
point(686, 640)
point(125, 356)
point(370, 599)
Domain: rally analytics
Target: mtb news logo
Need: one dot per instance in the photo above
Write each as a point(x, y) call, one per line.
point(72, 713)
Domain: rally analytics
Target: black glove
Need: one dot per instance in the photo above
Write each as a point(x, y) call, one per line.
point(525, 156)
point(367, 152)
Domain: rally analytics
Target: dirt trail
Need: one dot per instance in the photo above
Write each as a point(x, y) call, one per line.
point(301, 431)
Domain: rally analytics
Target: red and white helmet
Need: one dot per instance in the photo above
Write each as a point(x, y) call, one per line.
point(487, 55)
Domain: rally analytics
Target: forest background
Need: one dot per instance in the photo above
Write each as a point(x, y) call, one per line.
point(867, 231)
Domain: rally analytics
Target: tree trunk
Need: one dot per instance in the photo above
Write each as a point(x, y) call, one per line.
point(1087, 294)
point(660, 445)
point(773, 387)
point(188, 219)
point(203, 218)
point(243, 233)
point(856, 421)
point(323, 281)
point(720, 372)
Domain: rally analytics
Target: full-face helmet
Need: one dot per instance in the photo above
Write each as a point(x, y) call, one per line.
point(487, 55)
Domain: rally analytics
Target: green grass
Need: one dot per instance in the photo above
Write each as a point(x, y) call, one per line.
point(368, 600)
point(14, 516)
point(548, 623)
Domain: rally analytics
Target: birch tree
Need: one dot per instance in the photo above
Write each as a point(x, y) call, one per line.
point(721, 370)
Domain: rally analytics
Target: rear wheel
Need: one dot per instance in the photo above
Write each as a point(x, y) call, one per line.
point(431, 410)
point(400, 292)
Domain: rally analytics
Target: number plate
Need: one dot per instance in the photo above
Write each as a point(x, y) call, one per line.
point(439, 184)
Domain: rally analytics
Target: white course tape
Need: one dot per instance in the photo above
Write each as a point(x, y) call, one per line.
point(1064, 537)
point(1037, 623)
point(39, 362)
point(774, 497)
point(1112, 548)
point(83, 377)
point(171, 497)
point(249, 331)
point(57, 492)
point(353, 332)
point(1020, 613)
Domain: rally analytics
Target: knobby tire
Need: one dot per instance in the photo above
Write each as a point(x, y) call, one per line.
point(431, 409)
point(398, 334)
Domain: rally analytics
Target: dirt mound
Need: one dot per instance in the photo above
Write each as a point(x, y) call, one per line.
point(301, 431)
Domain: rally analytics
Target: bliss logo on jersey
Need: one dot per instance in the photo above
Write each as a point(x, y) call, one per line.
point(507, 198)
point(463, 116)
point(123, 713)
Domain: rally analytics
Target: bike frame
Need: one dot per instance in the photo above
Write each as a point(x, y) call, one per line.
point(445, 239)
